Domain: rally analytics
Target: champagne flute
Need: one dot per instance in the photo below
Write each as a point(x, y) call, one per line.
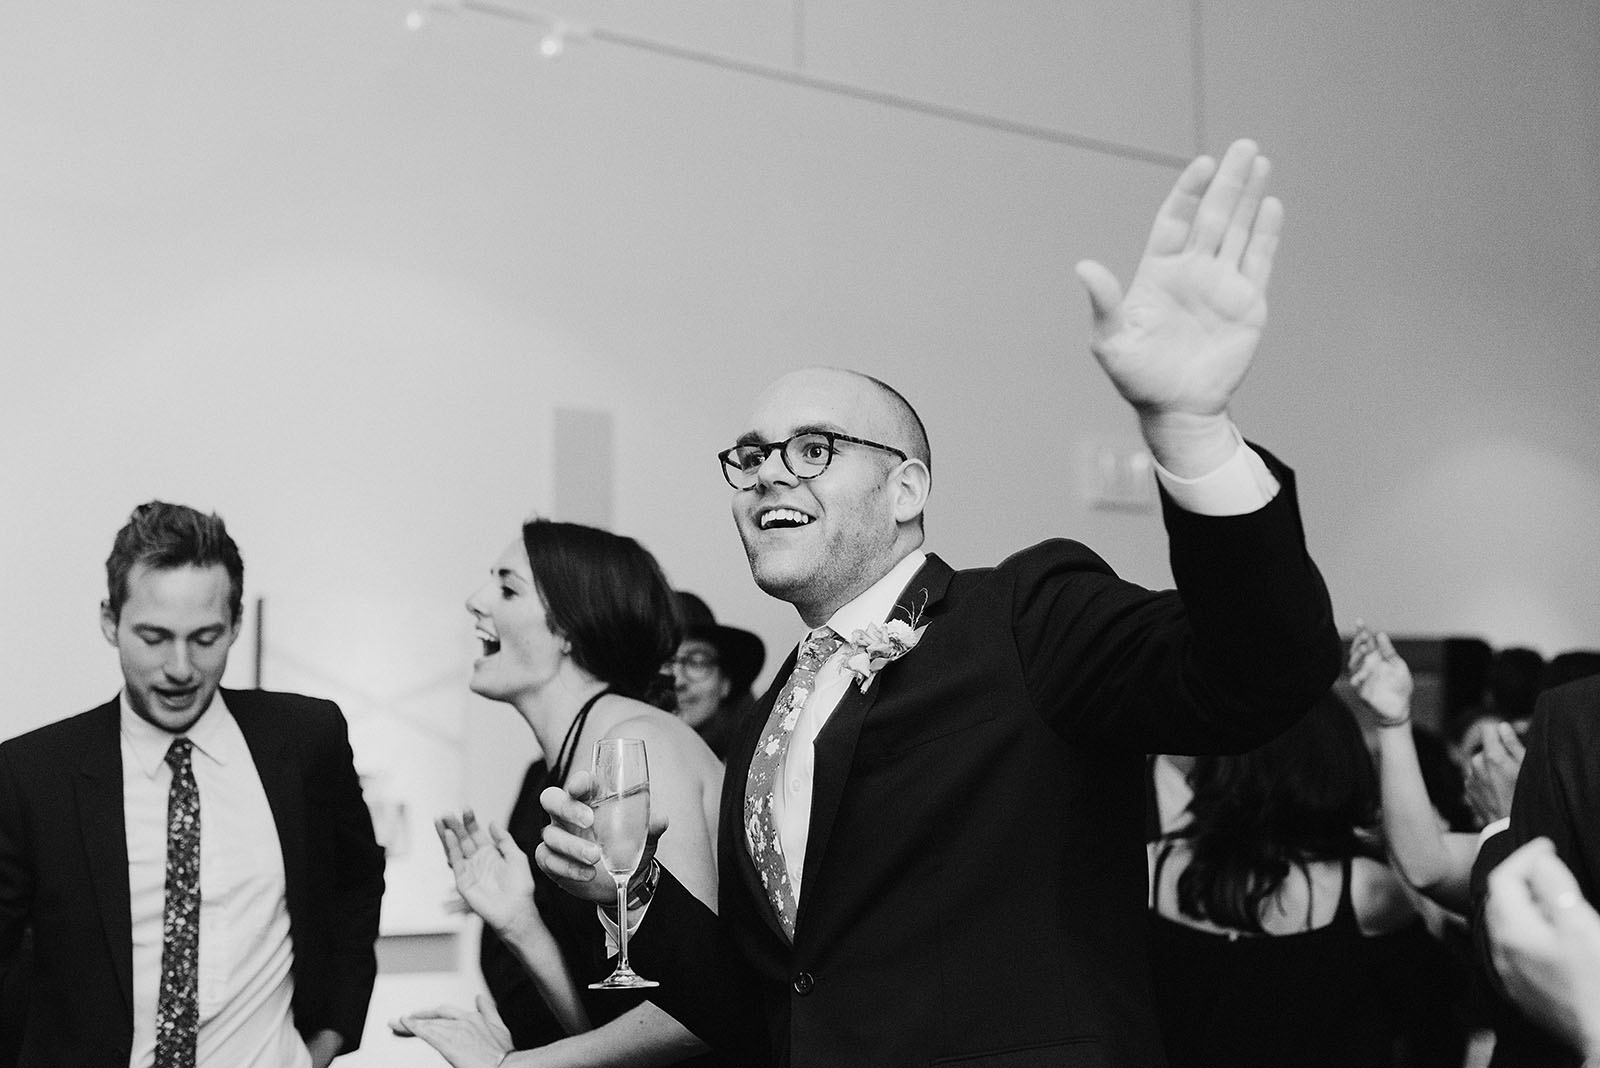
point(621, 806)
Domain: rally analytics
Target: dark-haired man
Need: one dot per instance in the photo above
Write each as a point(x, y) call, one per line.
point(197, 865)
point(931, 842)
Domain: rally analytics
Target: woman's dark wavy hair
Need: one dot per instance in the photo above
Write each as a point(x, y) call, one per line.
point(1302, 797)
point(606, 595)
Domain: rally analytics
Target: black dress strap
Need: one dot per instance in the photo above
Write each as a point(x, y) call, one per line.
point(561, 768)
point(1346, 910)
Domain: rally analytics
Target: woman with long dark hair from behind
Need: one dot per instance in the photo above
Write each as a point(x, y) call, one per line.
point(1274, 918)
point(576, 624)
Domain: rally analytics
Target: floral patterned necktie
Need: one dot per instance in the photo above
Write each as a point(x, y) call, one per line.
point(178, 1009)
point(760, 827)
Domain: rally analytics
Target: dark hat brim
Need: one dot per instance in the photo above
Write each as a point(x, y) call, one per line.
point(741, 652)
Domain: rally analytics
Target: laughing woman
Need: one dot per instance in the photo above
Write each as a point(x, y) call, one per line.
point(576, 624)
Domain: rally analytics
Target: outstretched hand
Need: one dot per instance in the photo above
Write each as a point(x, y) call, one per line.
point(492, 873)
point(1178, 342)
point(1380, 676)
point(569, 853)
point(465, 1038)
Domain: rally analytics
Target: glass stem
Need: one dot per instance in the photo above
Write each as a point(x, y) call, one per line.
point(622, 926)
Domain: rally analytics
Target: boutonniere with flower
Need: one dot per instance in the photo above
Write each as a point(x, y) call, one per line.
point(877, 645)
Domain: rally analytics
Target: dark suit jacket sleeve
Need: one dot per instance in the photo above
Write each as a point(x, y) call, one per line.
point(704, 983)
point(1557, 797)
point(352, 865)
point(1233, 656)
point(16, 879)
point(16, 900)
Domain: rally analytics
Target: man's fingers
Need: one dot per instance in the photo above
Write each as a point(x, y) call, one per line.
point(1256, 263)
point(1174, 222)
point(1221, 197)
point(1512, 744)
point(560, 866)
point(1105, 293)
point(1494, 745)
point(1242, 223)
point(568, 809)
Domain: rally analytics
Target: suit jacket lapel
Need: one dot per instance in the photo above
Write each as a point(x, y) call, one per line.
point(836, 743)
point(105, 840)
point(284, 785)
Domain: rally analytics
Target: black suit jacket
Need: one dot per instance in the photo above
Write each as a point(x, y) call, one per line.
point(64, 870)
point(1558, 797)
point(974, 884)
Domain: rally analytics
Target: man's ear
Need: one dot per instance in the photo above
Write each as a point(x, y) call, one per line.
point(108, 622)
point(910, 484)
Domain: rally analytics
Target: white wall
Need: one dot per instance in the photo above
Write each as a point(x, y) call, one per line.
point(331, 279)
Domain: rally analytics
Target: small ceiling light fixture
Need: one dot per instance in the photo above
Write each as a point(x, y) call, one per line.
point(418, 17)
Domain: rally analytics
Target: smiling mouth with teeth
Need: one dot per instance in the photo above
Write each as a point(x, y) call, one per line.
point(491, 644)
point(783, 517)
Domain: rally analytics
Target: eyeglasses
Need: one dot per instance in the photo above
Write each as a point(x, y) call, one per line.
point(806, 455)
point(696, 665)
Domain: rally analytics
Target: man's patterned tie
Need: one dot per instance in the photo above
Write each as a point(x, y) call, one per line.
point(760, 828)
point(178, 1010)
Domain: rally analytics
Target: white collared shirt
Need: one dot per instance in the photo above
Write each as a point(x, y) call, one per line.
point(1241, 485)
point(246, 958)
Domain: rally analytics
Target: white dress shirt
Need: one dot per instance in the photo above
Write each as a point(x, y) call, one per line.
point(246, 979)
point(1241, 485)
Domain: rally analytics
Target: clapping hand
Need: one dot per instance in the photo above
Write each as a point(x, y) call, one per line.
point(1177, 344)
point(1380, 676)
point(465, 1038)
point(1492, 777)
point(492, 873)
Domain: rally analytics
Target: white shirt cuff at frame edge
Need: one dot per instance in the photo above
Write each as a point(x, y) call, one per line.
point(1490, 830)
point(1240, 486)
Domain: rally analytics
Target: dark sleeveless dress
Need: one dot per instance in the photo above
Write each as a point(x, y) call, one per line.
point(572, 923)
point(1322, 997)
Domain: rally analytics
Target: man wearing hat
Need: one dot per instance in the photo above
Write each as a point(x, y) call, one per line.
point(713, 671)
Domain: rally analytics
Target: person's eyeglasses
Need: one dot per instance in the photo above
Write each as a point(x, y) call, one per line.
point(806, 455)
point(696, 665)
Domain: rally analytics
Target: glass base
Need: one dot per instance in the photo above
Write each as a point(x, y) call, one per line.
point(623, 979)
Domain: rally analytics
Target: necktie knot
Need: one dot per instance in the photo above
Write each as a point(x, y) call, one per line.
point(816, 649)
point(178, 753)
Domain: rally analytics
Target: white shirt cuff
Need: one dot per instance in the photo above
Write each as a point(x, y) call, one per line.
point(1241, 485)
point(1491, 830)
point(635, 918)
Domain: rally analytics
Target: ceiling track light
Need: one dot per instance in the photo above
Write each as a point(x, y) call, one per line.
point(552, 42)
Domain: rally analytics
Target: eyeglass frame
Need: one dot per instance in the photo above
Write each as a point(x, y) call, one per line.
point(696, 665)
point(782, 449)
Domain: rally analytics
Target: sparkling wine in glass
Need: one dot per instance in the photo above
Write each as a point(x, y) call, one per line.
point(621, 804)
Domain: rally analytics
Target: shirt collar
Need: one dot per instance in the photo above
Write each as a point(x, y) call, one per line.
point(215, 735)
point(874, 603)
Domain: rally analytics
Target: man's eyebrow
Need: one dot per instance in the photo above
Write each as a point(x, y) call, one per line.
point(750, 437)
point(151, 628)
